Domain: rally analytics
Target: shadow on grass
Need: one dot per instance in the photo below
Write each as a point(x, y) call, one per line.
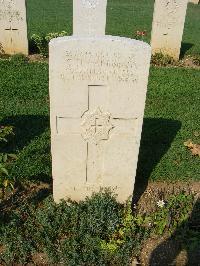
point(40, 195)
point(34, 196)
point(157, 136)
point(32, 47)
point(186, 238)
point(26, 128)
point(33, 147)
point(184, 48)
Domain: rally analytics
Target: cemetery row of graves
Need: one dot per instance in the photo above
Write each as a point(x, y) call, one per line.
point(96, 85)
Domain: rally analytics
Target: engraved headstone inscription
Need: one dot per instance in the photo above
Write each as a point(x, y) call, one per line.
point(97, 97)
point(89, 17)
point(168, 25)
point(13, 30)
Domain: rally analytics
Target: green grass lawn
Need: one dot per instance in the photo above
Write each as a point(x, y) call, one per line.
point(171, 117)
point(124, 18)
point(98, 231)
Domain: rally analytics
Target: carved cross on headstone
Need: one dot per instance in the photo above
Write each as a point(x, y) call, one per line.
point(89, 17)
point(11, 31)
point(96, 124)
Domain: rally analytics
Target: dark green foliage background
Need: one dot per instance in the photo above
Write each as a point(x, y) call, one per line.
point(124, 18)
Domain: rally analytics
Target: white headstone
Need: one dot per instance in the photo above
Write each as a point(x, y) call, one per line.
point(97, 96)
point(168, 25)
point(89, 17)
point(13, 27)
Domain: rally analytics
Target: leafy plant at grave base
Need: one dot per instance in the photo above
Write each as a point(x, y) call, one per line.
point(160, 59)
point(97, 231)
point(18, 59)
point(53, 35)
point(42, 42)
point(174, 214)
point(6, 159)
point(128, 235)
point(6, 181)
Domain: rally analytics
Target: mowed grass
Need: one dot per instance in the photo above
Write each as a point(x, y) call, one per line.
point(171, 117)
point(124, 18)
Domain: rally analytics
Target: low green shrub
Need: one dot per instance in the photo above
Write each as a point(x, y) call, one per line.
point(41, 42)
point(97, 231)
point(173, 214)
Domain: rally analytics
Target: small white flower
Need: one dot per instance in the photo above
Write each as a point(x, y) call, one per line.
point(161, 203)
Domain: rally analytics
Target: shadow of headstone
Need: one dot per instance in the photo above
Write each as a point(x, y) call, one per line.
point(157, 136)
point(31, 145)
point(26, 127)
point(184, 48)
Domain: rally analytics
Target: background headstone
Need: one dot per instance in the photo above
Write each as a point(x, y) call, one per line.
point(168, 25)
point(13, 27)
point(194, 1)
point(89, 17)
point(97, 96)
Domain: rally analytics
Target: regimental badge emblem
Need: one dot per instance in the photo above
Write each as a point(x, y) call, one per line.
point(96, 126)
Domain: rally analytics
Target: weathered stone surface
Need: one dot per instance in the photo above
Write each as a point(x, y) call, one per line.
point(13, 30)
point(194, 1)
point(168, 25)
point(97, 97)
point(89, 17)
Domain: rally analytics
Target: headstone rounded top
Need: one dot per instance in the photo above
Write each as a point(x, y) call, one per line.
point(99, 39)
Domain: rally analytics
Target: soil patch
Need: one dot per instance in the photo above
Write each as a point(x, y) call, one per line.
point(162, 191)
point(165, 250)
